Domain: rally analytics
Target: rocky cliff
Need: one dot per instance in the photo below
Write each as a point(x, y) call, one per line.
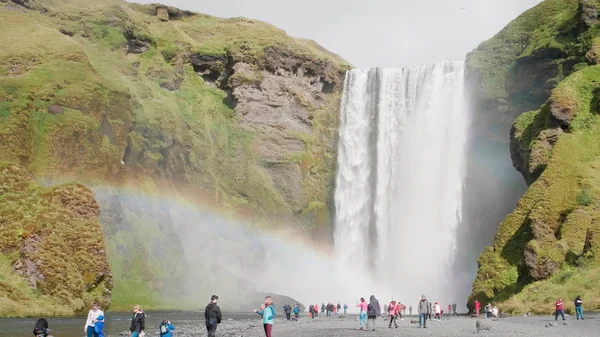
point(139, 102)
point(53, 259)
point(543, 69)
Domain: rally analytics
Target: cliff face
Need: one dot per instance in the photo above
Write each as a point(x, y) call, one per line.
point(229, 112)
point(53, 259)
point(547, 247)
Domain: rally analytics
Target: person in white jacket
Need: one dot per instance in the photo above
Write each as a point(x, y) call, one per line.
point(437, 310)
point(92, 318)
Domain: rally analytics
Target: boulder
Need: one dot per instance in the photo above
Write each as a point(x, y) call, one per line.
point(55, 109)
point(483, 325)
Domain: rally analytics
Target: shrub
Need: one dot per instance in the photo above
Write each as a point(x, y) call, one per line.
point(585, 198)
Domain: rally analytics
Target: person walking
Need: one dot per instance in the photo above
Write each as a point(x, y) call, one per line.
point(212, 316)
point(560, 309)
point(578, 307)
point(437, 311)
point(316, 311)
point(268, 315)
point(345, 309)
point(393, 314)
point(138, 322)
point(400, 307)
point(364, 307)
point(92, 319)
point(477, 307)
point(430, 309)
point(373, 311)
point(423, 309)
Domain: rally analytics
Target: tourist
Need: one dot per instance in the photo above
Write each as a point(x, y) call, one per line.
point(487, 310)
point(454, 308)
point(345, 309)
point(392, 310)
point(137, 322)
point(267, 312)
point(410, 309)
point(560, 309)
point(494, 311)
point(477, 307)
point(578, 307)
point(212, 316)
point(323, 308)
point(449, 309)
point(296, 311)
point(311, 309)
point(91, 320)
point(334, 309)
point(40, 328)
point(166, 328)
point(339, 308)
point(437, 311)
point(400, 308)
point(385, 308)
point(373, 311)
point(316, 311)
point(364, 307)
point(424, 312)
point(288, 311)
point(403, 310)
point(429, 309)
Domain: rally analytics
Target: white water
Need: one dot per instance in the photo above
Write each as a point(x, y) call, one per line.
point(401, 164)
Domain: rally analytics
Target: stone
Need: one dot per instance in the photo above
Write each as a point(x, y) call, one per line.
point(551, 325)
point(565, 323)
point(483, 325)
point(162, 14)
point(55, 109)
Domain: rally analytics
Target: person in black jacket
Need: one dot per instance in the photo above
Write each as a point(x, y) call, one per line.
point(41, 328)
point(138, 322)
point(373, 311)
point(212, 314)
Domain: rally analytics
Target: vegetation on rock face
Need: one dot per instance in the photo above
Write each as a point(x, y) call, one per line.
point(231, 111)
point(53, 259)
point(549, 246)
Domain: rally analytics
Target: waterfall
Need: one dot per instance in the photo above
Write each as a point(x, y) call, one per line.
point(400, 176)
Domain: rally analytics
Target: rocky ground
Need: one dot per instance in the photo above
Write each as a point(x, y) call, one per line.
point(453, 326)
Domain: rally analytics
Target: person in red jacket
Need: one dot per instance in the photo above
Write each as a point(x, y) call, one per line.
point(477, 307)
point(560, 309)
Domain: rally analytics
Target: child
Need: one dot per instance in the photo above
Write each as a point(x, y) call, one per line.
point(267, 312)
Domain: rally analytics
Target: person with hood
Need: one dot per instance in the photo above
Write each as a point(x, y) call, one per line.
point(91, 320)
point(345, 309)
point(339, 308)
point(578, 307)
point(311, 309)
point(40, 328)
point(477, 307)
point(138, 322)
point(296, 311)
point(212, 316)
point(437, 311)
point(288, 311)
point(373, 311)
point(424, 312)
point(268, 315)
point(166, 328)
point(392, 310)
point(364, 308)
point(560, 309)
point(99, 326)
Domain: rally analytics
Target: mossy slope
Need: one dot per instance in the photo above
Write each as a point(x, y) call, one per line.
point(53, 259)
point(142, 97)
point(548, 247)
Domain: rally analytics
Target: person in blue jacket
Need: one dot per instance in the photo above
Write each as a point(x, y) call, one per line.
point(267, 312)
point(296, 311)
point(167, 327)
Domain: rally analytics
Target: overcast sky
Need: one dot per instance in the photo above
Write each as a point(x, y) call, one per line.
point(377, 33)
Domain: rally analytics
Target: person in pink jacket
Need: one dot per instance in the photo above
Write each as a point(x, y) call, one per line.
point(364, 306)
point(393, 309)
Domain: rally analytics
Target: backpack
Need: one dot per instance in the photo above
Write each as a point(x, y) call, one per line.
point(164, 328)
point(40, 327)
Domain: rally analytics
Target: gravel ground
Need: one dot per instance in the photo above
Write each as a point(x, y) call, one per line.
point(453, 326)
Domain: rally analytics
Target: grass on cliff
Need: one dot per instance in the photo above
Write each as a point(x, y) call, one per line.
point(548, 25)
point(555, 217)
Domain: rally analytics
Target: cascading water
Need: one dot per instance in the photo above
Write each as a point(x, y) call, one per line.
point(400, 177)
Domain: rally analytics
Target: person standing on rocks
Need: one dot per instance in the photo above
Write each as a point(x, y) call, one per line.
point(268, 315)
point(339, 309)
point(345, 309)
point(323, 308)
point(373, 311)
point(92, 319)
point(364, 308)
point(288, 311)
point(410, 309)
point(297, 311)
point(424, 312)
point(477, 307)
point(311, 309)
point(449, 309)
point(560, 309)
point(316, 311)
point(138, 322)
point(579, 307)
point(430, 309)
point(212, 316)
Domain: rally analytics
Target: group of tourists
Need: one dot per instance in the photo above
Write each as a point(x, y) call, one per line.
point(560, 308)
point(329, 309)
point(287, 309)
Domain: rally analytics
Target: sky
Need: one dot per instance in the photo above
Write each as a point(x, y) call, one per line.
point(377, 33)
